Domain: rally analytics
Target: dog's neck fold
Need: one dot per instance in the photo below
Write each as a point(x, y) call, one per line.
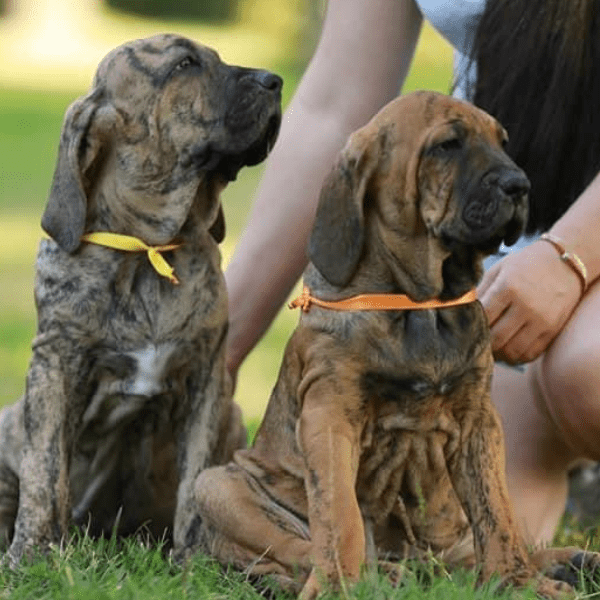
point(155, 216)
point(426, 272)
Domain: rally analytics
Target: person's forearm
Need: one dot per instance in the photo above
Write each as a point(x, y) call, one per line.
point(362, 58)
point(271, 253)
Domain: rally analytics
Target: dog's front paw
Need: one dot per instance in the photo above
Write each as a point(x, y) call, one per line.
point(312, 588)
point(16, 552)
point(544, 587)
point(530, 577)
point(580, 566)
point(553, 589)
point(29, 545)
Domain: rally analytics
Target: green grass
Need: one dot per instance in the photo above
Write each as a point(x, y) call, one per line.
point(107, 570)
point(133, 569)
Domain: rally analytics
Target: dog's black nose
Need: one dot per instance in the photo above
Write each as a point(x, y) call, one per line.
point(268, 80)
point(514, 184)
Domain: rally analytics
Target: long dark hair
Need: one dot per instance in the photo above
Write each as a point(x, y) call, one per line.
point(538, 73)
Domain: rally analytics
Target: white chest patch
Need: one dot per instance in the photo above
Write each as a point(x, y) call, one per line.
point(151, 368)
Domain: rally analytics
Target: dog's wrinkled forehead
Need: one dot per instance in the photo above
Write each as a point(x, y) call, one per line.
point(465, 117)
point(156, 59)
point(418, 114)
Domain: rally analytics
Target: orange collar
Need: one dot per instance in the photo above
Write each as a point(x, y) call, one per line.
point(378, 302)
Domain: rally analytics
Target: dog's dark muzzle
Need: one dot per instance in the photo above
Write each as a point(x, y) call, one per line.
point(252, 120)
point(249, 126)
point(494, 210)
point(254, 99)
point(501, 193)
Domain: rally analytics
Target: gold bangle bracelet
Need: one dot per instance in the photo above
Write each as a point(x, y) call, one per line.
point(570, 258)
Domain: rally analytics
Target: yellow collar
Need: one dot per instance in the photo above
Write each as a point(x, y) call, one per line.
point(379, 302)
point(128, 243)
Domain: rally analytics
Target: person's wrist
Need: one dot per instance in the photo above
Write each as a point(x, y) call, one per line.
point(569, 258)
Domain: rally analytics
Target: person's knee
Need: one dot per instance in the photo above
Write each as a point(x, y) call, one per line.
point(569, 382)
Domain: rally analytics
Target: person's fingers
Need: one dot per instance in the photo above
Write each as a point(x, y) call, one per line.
point(495, 301)
point(536, 348)
point(505, 328)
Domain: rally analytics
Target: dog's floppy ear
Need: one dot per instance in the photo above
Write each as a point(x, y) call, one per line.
point(64, 216)
point(336, 241)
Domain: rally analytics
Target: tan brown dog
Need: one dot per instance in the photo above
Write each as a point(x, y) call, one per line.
point(380, 440)
point(127, 396)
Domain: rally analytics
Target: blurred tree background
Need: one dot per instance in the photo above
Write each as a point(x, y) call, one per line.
point(214, 11)
point(307, 13)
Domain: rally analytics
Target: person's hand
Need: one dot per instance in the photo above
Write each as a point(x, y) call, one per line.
point(528, 297)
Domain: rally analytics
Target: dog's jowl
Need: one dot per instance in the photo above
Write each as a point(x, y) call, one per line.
point(127, 397)
point(380, 440)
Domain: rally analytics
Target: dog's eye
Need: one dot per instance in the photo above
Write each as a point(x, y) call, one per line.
point(449, 145)
point(188, 61)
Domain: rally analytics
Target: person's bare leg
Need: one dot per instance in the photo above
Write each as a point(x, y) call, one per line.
point(569, 378)
point(551, 416)
point(537, 459)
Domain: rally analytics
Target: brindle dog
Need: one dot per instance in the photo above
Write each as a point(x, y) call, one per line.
point(127, 395)
point(380, 440)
